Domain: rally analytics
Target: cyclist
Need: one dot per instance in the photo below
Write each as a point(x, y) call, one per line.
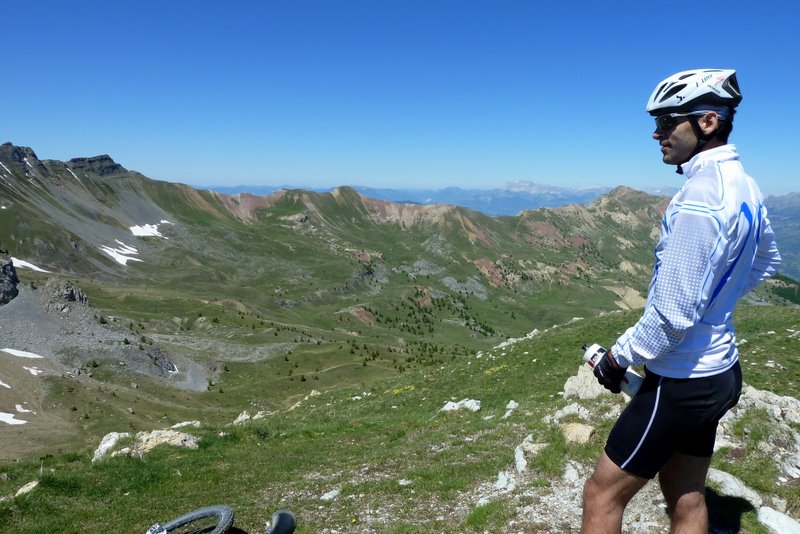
point(716, 244)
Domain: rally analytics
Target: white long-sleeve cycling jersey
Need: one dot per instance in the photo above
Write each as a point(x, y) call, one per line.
point(716, 245)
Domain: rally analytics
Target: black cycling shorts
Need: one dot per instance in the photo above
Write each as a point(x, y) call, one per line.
point(671, 415)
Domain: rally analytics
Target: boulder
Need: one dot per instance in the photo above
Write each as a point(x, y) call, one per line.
point(505, 482)
point(108, 442)
point(242, 419)
point(194, 423)
point(144, 442)
point(584, 385)
point(468, 404)
point(786, 409)
point(27, 488)
point(524, 450)
point(147, 441)
point(776, 522)
point(572, 409)
point(577, 432)
point(730, 486)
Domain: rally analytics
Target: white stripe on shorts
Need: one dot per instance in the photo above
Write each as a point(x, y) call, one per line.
point(649, 424)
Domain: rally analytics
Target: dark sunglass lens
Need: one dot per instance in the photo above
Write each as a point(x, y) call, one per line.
point(666, 122)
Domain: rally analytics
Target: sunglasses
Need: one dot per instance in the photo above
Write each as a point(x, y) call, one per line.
point(670, 120)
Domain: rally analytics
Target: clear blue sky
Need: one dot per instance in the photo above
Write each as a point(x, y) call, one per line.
point(384, 93)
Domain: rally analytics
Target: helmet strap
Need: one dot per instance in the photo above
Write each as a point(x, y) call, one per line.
point(702, 141)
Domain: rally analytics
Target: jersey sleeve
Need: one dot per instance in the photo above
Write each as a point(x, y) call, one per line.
point(680, 290)
point(767, 258)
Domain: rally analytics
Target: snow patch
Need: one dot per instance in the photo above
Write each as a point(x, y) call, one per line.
point(21, 409)
point(6, 168)
point(8, 418)
point(35, 371)
point(22, 263)
point(22, 354)
point(4, 384)
point(147, 230)
point(122, 253)
point(73, 174)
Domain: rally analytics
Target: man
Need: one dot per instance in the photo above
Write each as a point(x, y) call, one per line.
point(716, 244)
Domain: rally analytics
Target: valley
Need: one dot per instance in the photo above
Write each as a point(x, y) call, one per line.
point(345, 321)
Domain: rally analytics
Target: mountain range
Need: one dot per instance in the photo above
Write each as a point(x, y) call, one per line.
point(510, 199)
point(201, 277)
point(343, 321)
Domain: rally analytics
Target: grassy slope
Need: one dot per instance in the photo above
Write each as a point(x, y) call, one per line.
point(292, 286)
point(366, 446)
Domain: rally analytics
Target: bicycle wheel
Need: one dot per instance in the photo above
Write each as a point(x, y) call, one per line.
point(283, 522)
point(210, 520)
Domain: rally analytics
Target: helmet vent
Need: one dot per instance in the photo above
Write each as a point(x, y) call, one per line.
point(674, 89)
point(732, 86)
point(691, 88)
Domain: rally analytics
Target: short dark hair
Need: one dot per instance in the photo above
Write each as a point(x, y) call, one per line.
point(725, 127)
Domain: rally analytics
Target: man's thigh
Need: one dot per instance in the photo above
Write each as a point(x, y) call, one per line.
point(682, 475)
point(615, 483)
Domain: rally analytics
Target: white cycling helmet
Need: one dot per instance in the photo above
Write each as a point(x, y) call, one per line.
point(691, 90)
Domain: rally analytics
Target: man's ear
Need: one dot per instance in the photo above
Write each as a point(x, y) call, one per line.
point(709, 123)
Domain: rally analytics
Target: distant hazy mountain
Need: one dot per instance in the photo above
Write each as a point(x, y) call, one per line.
point(510, 199)
point(785, 221)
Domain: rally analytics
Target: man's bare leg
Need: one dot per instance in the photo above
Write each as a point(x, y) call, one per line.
point(683, 483)
point(605, 496)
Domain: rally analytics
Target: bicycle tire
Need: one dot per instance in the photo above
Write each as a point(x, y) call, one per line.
point(283, 522)
point(222, 515)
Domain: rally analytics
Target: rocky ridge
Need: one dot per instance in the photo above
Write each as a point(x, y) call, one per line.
point(57, 322)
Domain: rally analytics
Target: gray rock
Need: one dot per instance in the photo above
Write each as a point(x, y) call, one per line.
point(505, 482)
point(730, 486)
point(776, 522)
point(108, 442)
point(27, 488)
point(526, 449)
point(8, 281)
point(577, 432)
point(331, 495)
point(571, 409)
point(584, 385)
point(147, 441)
point(786, 409)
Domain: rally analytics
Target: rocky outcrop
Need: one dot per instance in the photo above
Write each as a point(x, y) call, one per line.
point(99, 165)
point(8, 281)
point(144, 442)
point(59, 295)
point(20, 159)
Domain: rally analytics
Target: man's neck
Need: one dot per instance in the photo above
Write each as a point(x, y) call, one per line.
point(713, 143)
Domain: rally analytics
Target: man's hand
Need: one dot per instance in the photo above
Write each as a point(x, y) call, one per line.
point(609, 373)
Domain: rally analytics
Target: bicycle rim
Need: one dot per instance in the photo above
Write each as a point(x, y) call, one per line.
point(209, 520)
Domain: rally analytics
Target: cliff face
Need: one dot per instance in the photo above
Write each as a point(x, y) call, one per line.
point(8, 281)
point(99, 165)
